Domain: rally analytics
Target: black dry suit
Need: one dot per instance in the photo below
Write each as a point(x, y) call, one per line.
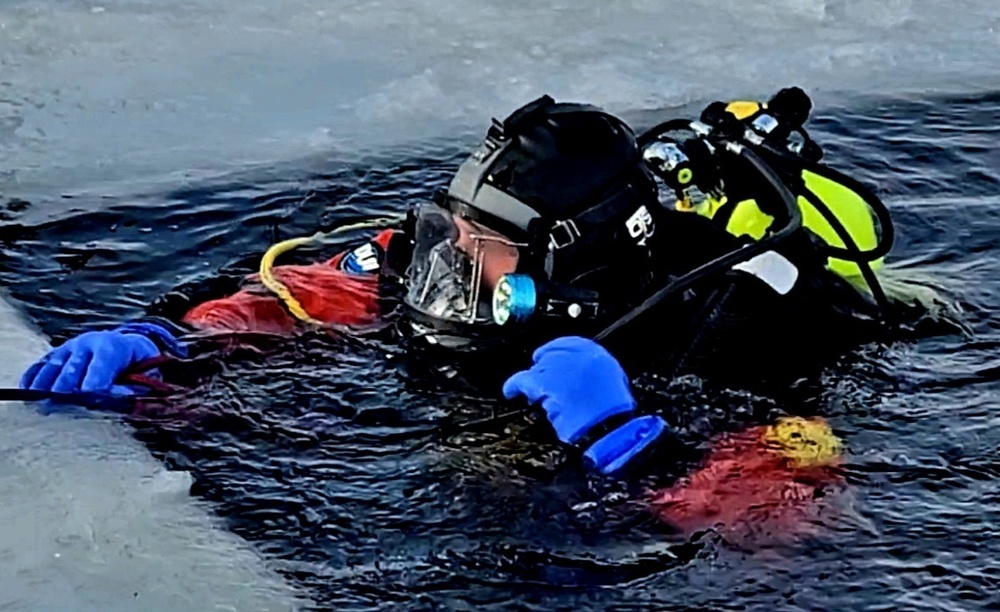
point(576, 199)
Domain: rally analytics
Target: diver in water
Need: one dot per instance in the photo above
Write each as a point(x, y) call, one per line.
point(566, 233)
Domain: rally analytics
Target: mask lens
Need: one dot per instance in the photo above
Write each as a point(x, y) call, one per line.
point(456, 263)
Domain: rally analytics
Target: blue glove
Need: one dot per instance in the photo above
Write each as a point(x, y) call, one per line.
point(92, 361)
point(580, 386)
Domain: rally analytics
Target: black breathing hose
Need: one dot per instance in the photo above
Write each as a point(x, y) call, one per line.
point(90, 400)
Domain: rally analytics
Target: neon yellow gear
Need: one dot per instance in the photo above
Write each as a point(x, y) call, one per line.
point(747, 219)
point(706, 208)
point(847, 206)
point(807, 442)
point(743, 109)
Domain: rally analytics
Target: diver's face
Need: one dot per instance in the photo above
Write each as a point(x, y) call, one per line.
point(496, 252)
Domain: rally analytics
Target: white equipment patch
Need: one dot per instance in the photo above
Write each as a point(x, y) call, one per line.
point(365, 258)
point(640, 225)
point(774, 269)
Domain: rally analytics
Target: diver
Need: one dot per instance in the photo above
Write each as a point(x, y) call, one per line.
point(731, 252)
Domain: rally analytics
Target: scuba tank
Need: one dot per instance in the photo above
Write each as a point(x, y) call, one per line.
point(853, 224)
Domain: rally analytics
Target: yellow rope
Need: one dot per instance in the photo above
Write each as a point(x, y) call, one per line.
point(279, 288)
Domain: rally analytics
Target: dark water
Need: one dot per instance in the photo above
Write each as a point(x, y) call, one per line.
point(349, 473)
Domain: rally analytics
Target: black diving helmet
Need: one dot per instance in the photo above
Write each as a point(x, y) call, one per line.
point(549, 219)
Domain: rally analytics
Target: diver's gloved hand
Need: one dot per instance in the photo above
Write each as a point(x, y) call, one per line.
point(584, 392)
point(92, 361)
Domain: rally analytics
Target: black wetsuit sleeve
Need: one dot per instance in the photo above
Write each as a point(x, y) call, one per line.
point(686, 240)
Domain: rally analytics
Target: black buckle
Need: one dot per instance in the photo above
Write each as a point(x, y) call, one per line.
point(602, 429)
point(563, 234)
point(495, 140)
point(496, 131)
